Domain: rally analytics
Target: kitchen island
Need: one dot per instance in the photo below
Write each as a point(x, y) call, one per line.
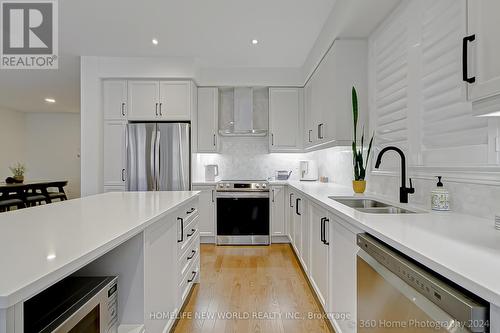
point(42, 245)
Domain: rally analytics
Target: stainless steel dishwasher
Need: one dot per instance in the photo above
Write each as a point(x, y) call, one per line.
point(394, 294)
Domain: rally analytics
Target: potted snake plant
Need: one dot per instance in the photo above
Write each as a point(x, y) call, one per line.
point(360, 164)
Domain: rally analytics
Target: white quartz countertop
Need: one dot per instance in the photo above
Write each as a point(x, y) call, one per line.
point(41, 245)
point(462, 248)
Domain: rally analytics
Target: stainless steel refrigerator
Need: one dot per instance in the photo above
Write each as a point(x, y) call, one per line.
point(158, 157)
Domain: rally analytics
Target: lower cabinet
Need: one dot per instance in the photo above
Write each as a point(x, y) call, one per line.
point(326, 248)
point(207, 212)
point(171, 265)
point(319, 268)
point(343, 249)
point(277, 210)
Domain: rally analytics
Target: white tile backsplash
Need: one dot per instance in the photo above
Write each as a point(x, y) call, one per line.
point(249, 158)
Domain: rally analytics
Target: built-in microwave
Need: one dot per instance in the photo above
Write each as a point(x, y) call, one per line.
point(75, 304)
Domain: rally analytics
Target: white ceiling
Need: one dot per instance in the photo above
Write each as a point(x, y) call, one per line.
point(217, 33)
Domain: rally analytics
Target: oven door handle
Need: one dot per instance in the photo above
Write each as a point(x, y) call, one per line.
point(242, 195)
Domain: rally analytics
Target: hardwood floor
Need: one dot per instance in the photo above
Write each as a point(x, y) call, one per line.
point(251, 289)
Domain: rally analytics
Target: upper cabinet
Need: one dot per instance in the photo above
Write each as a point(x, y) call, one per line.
point(328, 109)
point(175, 100)
point(207, 122)
point(160, 100)
point(285, 119)
point(482, 45)
point(115, 99)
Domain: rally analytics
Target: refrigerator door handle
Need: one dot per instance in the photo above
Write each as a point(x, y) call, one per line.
point(152, 160)
point(158, 160)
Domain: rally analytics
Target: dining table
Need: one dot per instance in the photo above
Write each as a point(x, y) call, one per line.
point(28, 188)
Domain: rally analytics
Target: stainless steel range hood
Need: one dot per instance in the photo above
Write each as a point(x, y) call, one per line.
point(243, 116)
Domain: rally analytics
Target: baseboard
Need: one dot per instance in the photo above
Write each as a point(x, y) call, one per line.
point(281, 239)
point(207, 239)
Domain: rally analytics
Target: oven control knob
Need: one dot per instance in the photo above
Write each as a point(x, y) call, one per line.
point(264, 185)
point(257, 186)
point(227, 185)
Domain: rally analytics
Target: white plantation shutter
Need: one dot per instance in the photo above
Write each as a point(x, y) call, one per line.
point(450, 134)
point(418, 99)
point(389, 71)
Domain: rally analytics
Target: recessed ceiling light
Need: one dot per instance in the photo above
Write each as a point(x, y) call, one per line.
point(255, 41)
point(50, 100)
point(154, 41)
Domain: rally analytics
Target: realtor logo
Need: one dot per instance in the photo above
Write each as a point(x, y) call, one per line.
point(28, 34)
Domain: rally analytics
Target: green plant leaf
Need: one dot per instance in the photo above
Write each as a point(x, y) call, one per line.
point(369, 150)
point(355, 111)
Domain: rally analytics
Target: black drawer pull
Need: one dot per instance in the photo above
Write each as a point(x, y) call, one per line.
point(192, 233)
point(193, 252)
point(190, 211)
point(192, 279)
point(297, 206)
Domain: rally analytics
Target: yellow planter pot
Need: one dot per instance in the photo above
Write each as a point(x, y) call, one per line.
point(359, 186)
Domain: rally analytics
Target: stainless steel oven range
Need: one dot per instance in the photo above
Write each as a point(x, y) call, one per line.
point(243, 213)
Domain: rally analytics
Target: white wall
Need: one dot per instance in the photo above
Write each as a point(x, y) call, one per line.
point(47, 143)
point(53, 148)
point(12, 141)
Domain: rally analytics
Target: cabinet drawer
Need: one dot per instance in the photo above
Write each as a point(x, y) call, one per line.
point(191, 277)
point(188, 257)
point(189, 232)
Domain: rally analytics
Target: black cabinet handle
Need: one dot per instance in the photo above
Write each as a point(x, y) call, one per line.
point(215, 141)
point(465, 60)
point(192, 233)
point(190, 211)
point(193, 252)
point(297, 206)
point(324, 231)
point(310, 131)
point(322, 228)
point(192, 279)
point(160, 109)
point(123, 109)
point(123, 175)
point(213, 196)
point(182, 229)
point(272, 139)
point(156, 109)
point(291, 200)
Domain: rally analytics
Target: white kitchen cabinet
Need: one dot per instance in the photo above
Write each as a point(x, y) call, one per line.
point(175, 100)
point(343, 249)
point(115, 99)
point(160, 257)
point(484, 50)
point(115, 165)
point(277, 211)
point(301, 242)
point(143, 100)
point(207, 212)
point(289, 212)
point(285, 119)
point(328, 107)
point(160, 100)
point(207, 120)
point(320, 237)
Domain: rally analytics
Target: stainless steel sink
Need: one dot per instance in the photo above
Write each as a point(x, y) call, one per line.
point(372, 206)
point(360, 203)
point(385, 210)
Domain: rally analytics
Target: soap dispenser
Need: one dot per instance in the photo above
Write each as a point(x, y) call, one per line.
point(440, 197)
